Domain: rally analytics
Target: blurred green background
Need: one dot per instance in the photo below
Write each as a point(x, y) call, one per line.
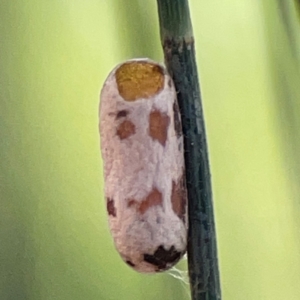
point(54, 57)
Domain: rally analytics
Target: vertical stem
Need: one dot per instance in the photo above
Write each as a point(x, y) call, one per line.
point(178, 46)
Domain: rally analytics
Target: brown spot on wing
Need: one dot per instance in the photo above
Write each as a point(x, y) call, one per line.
point(163, 258)
point(131, 264)
point(154, 198)
point(125, 129)
point(158, 126)
point(131, 202)
point(121, 113)
point(179, 198)
point(139, 79)
point(110, 206)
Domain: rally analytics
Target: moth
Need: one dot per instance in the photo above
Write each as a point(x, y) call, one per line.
point(142, 150)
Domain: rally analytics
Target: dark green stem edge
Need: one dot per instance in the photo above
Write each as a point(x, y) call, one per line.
point(179, 51)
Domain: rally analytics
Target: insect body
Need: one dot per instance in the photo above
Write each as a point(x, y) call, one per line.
point(142, 150)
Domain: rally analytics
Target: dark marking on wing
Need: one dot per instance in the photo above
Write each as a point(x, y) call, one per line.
point(163, 258)
point(122, 113)
point(131, 264)
point(110, 206)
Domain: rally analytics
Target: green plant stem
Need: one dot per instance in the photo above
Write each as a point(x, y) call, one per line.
point(178, 46)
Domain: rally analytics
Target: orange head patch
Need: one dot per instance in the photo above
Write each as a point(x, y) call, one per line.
point(139, 79)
